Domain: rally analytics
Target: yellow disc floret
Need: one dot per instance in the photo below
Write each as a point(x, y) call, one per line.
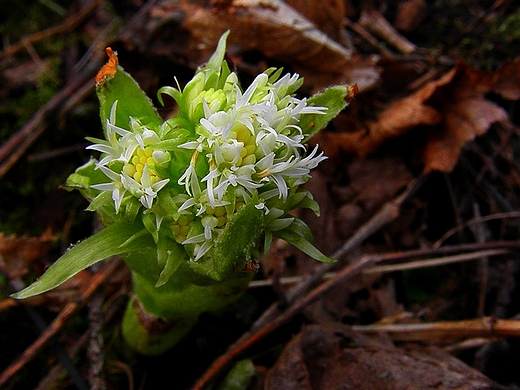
point(181, 227)
point(135, 168)
point(247, 153)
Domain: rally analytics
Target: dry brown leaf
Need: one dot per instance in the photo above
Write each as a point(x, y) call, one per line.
point(327, 15)
point(466, 115)
point(279, 31)
point(398, 119)
point(453, 108)
point(410, 14)
point(17, 253)
point(462, 123)
point(324, 358)
point(508, 83)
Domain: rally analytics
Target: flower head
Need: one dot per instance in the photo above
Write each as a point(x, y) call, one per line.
point(226, 148)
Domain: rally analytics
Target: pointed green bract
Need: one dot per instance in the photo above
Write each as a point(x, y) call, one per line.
point(334, 99)
point(297, 234)
point(108, 242)
point(215, 62)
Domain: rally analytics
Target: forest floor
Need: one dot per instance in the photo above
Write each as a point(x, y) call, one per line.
point(419, 196)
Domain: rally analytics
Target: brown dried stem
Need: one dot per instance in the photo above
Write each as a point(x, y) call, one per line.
point(440, 331)
point(32, 351)
point(69, 24)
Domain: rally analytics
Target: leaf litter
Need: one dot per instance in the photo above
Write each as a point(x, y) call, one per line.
point(427, 141)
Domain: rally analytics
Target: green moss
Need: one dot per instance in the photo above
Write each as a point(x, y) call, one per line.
point(472, 31)
point(27, 17)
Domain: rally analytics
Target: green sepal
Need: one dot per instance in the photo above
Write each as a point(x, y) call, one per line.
point(334, 99)
point(224, 73)
point(304, 199)
point(99, 201)
point(110, 241)
point(170, 256)
point(150, 225)
point(173, 92)
point(85, 176)
point(131, 101)
point(298, 234)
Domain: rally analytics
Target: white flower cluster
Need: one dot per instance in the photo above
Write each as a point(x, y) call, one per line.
point(242, 144)
point(135, 150)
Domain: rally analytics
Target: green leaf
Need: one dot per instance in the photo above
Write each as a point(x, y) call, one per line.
point(292, 236)
point(240, 237)
point(240, 376)
point(334, 99)
point(215, 61)
point(84, 177)
point(235, 247)
point(131, 101)
point(108, 242)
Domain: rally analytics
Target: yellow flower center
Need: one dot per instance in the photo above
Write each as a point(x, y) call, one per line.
point(247, 154)
point(135, 168)
point(181, 227)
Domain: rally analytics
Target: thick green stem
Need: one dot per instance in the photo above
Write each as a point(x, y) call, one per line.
point(156, 318)
point(151, 335)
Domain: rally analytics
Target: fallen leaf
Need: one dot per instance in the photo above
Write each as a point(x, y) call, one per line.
point(410, 14)
point(327, 15)
point(396, 120)
point(271, 27)
point(336, 358)
point(18, 253)
point(508, 83)
point(450, 112)
point(466, 114)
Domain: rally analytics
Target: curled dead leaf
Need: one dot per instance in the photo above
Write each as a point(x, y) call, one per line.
point(453, 109)
point(279, 31)
point(508, 83)
point(462, 122)
point(334, 357)
point(18, 253)
point(466, 114)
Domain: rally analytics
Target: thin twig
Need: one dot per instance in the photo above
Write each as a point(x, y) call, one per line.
point(435, 262)
point(361, 265)
point(376, 23)
point(441, 331)
point(475, 221)
point(480, 236)
point(32, 351)
point(69, 24)
point(57, 371)
point(425, 263)
point(363, 33)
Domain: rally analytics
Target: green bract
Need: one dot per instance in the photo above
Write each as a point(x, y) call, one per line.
point(195, 199)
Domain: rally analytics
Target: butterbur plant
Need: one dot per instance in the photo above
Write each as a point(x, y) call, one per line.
point(191, 202)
